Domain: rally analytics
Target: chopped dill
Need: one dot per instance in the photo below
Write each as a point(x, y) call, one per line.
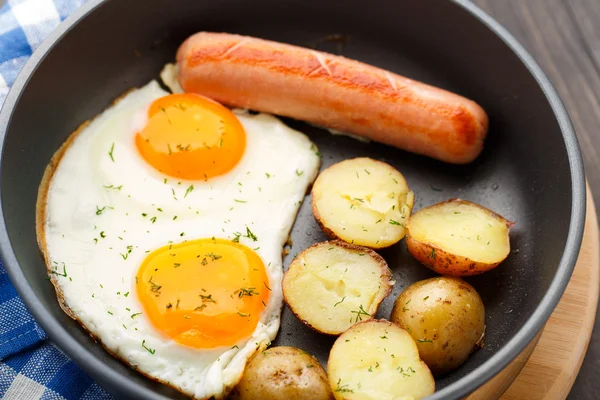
point(246, 292)
point(250, 235)
point(151, 351)
point(341, 301)
point(113, 187)
point(155, 288)
point(342, 388)
point(359, 314)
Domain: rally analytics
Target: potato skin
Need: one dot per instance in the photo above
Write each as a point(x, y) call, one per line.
point(283, 373)
point(444, 262)
point(446, 317)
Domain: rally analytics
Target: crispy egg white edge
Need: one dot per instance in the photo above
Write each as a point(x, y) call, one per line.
point(227, 370)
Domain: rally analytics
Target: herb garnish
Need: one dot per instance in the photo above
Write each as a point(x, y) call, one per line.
point(359, 314)
point(250, 235)
point(392, 222)
point(151, 351)
point(113, 187)
point(214, 256)
point(314, 149)
point(246, 292)
point(154, 288)
point(55, 271)
point(342, 388)
point(341, 301)
point(207, 299)
point(99, 210)
point(110, 153)
point(432, 254)
point(188, 191)
point(405, 309)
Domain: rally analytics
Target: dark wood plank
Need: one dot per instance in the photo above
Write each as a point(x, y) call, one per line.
point(586, 18)
point(564, 37)
point(586, 15)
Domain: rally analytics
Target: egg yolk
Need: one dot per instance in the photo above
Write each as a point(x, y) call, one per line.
point(203, 293)
point(191, 137)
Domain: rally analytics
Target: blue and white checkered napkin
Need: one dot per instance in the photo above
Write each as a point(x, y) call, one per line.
point(30, 366)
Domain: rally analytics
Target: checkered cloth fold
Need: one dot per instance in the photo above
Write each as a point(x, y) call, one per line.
point(30, 366)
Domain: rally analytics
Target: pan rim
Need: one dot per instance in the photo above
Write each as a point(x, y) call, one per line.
point(467, 384)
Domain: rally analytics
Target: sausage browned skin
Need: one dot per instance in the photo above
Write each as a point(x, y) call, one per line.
point(334, 92)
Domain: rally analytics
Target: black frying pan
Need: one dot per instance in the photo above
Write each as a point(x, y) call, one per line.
point(530, 171)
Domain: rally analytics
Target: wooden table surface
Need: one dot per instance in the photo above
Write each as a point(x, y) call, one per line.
point(564, 38)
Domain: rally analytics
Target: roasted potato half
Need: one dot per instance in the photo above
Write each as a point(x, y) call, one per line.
point(446, 317)
point(377, 360)
point(332, 285)
point(362, 201)
point(458, 238)
point(283, 373)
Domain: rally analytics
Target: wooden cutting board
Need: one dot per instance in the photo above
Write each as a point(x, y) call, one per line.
point(547, 368)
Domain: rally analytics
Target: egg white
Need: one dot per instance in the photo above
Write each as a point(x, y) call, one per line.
point(95, 225)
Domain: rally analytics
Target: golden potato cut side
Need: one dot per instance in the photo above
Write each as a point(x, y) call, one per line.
point(283, 373)
point(332, 285)
point(458, 238)
point(376, 360)
point(362, 201)
point(446, 317)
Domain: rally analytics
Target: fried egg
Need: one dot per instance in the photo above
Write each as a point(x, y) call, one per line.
point(163, 222)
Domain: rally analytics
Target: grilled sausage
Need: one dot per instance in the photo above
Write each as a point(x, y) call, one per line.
point(334, 92)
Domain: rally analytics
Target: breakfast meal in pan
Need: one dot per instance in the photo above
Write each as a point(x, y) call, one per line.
point(163, 221)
